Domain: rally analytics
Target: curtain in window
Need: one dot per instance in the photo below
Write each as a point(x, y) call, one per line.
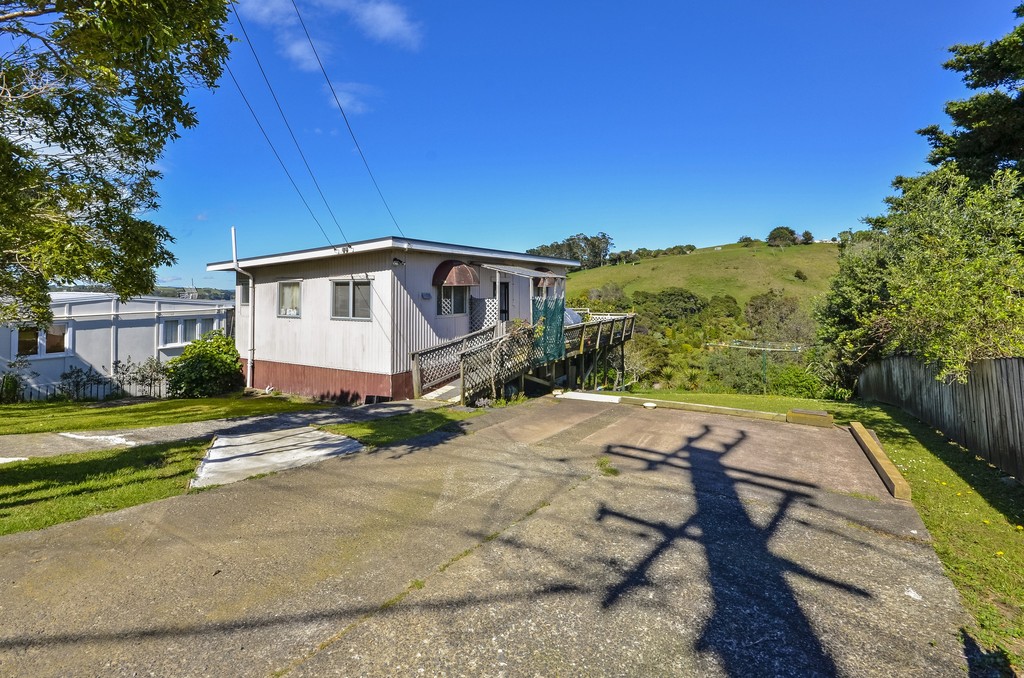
point(170, 332)
point(289, 298)
point(55, 339)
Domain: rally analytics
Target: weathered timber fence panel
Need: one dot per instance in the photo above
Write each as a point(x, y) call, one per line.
point(986, 414)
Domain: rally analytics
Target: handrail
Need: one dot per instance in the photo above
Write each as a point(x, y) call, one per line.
point(448, 361)
point(442, 362)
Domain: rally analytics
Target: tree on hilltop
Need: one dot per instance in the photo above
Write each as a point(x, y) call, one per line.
point(781, 236)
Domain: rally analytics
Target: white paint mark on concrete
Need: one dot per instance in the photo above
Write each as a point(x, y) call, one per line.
point(596, 397)
point(113, 439)
point(8, 460)
point(913, 594)
point(234, 458)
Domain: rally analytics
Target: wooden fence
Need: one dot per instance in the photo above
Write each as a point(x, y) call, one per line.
point(985, 415)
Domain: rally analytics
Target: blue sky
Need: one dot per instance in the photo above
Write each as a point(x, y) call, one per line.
point(511, 125)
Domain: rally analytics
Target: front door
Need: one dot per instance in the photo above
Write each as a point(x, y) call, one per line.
point(503, 302)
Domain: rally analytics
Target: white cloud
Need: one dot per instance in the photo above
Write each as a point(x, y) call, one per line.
point(383, 20)
point(269, 13)
point(202, 216)
point(296, 47)
point(169, 279)
point(352, 95)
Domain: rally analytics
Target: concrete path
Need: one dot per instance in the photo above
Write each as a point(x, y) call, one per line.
point(725, 547)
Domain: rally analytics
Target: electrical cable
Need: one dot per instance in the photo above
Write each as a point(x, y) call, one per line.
point(345, 118)
point(277, 155)
point(287, 125)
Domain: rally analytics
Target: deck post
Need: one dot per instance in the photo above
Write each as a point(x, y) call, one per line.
point(417, 378)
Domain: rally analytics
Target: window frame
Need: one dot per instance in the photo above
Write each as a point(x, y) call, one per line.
point(349, 284)
point(179, 334)
point(289, 281)
point(41, 344)
point(440, 300)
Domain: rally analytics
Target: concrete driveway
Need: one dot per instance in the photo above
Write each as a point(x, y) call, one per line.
point(725, 547)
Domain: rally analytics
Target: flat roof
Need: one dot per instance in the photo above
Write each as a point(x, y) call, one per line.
point(71, 297)
point(388, 243)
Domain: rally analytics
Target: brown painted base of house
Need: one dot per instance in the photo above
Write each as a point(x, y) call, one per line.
point(325, 383)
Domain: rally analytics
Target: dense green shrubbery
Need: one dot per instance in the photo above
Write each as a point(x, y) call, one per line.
point(207, 367)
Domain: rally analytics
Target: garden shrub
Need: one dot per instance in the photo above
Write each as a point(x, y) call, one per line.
point(75, 383)
point(207, 367)
point(793, 380)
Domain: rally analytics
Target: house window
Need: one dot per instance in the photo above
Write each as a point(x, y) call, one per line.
point(351, 299)
point(28, 341)
point(171, 332)
point(242, 286)
point(32, 342)
point(178, 331)
point(452, 300)
point(289, 298)
point(56, 339)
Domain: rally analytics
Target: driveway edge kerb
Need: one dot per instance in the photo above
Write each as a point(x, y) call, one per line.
point(887, 471)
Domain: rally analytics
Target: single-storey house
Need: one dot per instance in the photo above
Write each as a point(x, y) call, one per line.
point(342, 322)
point(94, 329)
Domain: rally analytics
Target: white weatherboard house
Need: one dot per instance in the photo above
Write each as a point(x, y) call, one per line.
point(93, 329)
point(341, 322)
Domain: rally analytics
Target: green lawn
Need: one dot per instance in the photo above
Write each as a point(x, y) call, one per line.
point(39, 417)
point(974, 512)
point(49, 490)
point(390, 430)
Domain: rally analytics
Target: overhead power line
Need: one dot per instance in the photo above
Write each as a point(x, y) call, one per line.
point(287, 125)
point(341, 108)
point(277, 155)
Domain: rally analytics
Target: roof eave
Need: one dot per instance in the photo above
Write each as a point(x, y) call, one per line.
point(404, 244)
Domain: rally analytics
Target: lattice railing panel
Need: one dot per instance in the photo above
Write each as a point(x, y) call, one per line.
point(573, 334)
point(441, 363)
point(486, 368)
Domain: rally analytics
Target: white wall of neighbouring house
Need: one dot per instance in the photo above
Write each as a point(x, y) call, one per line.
point(99, 330)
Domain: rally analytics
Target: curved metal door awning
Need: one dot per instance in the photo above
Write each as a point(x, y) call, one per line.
point(454, 273)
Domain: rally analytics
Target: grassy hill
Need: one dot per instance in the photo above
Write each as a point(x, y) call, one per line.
point(730, 269)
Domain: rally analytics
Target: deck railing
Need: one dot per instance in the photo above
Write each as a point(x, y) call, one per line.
point(488, 358)
point(441, 363)
point(489, 366)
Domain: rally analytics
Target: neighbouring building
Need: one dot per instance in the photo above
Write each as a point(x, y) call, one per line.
point(341, 322)
point(94, 329)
